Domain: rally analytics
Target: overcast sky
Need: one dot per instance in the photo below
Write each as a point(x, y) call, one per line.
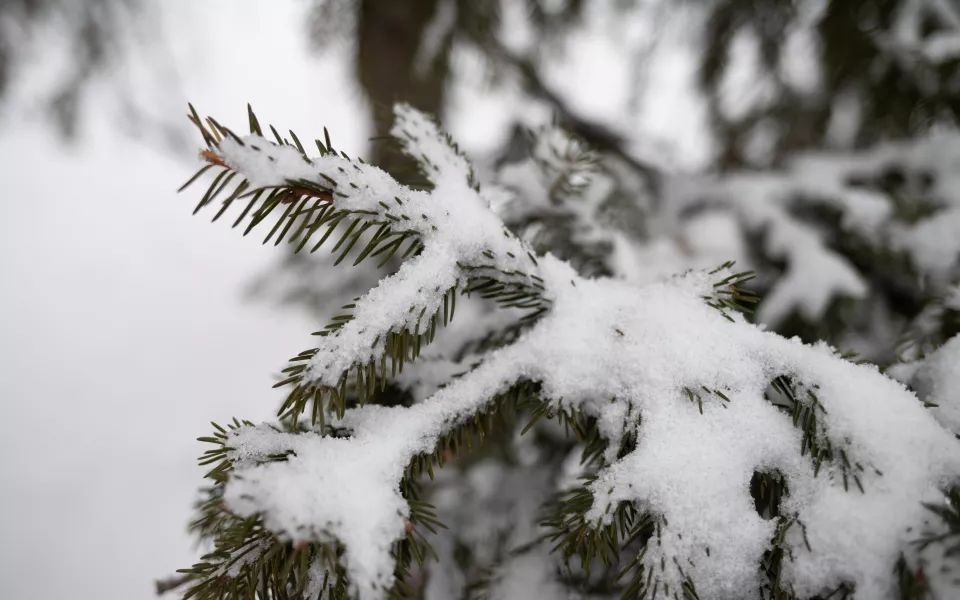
point(124, 329)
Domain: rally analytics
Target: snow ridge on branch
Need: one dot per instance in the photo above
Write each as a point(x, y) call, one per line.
point(709, 399)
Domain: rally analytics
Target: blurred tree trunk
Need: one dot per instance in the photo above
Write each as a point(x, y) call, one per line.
point(389, 39)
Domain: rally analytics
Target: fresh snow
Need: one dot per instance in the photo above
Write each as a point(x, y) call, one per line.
point(626, 354)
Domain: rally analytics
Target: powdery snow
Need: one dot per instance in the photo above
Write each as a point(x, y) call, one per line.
point(471, 234)
point(611, 349)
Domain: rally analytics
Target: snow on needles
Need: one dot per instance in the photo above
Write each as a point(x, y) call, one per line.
point(470, 233)
point(656, 358)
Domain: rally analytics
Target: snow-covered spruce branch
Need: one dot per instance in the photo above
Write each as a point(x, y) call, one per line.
point(863, 225)
point(471, 252)
point(921, 233)
point(705, 399)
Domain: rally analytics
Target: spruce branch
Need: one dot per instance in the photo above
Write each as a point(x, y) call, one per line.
point(423, 294)
point(664, 384)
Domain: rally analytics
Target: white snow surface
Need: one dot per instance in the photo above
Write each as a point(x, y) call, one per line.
point(613, 349)
point(937, 379)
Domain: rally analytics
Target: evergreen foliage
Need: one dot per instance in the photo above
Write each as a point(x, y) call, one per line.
point(884, 69)
point(577, 435)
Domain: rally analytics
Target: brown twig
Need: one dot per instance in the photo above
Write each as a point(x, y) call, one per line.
point(213, 158)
